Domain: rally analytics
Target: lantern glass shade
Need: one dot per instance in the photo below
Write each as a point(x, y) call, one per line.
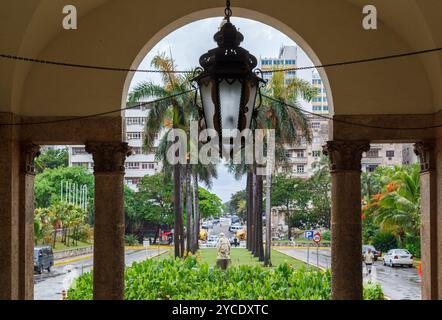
point(207, 89)
point(230, 102)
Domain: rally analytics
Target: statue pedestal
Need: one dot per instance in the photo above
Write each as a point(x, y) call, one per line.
point(222, 263)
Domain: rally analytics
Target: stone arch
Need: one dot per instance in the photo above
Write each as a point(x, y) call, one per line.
point(239, 12)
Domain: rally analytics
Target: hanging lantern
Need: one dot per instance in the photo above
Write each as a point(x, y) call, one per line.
point(228, 84)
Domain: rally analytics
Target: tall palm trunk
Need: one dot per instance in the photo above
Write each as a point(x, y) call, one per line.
point(259, 250)
point(196, 211)
point(177, 208)
point(181, 214)
point(249, 208)
point(188, 210)
point(268, 261)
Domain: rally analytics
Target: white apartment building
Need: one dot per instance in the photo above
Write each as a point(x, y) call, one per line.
point(137, 165)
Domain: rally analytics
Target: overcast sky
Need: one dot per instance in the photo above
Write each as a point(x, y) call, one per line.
point(188, 43)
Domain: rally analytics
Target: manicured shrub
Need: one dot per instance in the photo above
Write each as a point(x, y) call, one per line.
point(131, 240)
point(189, 280)
point(326, 235)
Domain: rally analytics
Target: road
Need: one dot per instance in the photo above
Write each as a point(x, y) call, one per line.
point(48, 286)
point(397, 283)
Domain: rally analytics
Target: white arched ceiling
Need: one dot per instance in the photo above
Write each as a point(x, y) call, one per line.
point(114, 32)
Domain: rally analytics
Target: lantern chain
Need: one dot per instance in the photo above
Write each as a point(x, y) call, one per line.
point(228, 11)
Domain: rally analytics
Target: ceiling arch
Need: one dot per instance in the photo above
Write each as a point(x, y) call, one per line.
point(113, 33)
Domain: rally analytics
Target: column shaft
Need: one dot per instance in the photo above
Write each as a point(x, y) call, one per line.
point(108, 272)
point(346, 264)
point(29, 152)
point(429, 245)
point(9, 171)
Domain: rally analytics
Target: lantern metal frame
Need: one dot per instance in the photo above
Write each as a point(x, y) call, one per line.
point(229, 63)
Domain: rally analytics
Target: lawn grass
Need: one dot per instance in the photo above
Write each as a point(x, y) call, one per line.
point(240, 256)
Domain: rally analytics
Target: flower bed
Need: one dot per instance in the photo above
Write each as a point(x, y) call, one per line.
point(189, 280)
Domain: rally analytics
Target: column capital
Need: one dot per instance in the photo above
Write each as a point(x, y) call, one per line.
point(345, 155)
point(425, 152)
point(29, 151)
point(109, 156)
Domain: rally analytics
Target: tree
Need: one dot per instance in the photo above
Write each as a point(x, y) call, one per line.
point(178, 110)
point(292, 194)
point(48, 185)
point(291, 127)
point(237, 204)
point(210, 204)
point(154, 201)
point(320, 191)
point(397, 208)
point(51, 159)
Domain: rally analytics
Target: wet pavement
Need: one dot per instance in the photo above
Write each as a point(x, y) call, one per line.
point(49, 286)
point(399, 283)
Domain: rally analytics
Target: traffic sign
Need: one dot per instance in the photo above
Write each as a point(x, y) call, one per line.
point(317, 237)
point(308, 234)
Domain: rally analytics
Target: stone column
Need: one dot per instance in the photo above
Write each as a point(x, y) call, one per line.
point(345, 167)
point(429, 246)
point(108, 272)
point(29, 152)
point(9, 171)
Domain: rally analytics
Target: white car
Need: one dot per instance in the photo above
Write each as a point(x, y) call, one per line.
point(397, 257)
point(207, 225)
point(212, 241)
point(236, 228)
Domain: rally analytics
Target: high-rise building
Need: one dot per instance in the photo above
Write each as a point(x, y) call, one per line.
point(303, 155)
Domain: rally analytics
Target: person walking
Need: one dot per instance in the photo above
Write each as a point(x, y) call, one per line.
point(368, 260)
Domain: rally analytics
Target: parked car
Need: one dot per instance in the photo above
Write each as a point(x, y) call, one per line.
point(376, 253)
point(207, 225)
point(396, 257)
point(235, 228)
point(234, 219)
point(216, 221)
point(43, 258)
point(212, 241)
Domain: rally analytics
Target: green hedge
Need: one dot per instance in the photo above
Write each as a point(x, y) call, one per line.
point(189, 280)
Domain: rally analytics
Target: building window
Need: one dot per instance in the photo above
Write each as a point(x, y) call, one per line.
point(300, 168)
point(316, 125)
point(316, 154)
point(81, 164)
point(371, 168)
point(137, 150)
point(133, 135)
point(132, 165)
point(132, 180)
point(136, 121)
point(147, 166)
point(390, 153)
point(373, 154)
point(299, 153)
point(78, 150)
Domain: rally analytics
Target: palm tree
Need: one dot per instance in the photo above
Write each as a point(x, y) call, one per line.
point(290, 125)
point(397, 209)
point(180, 108)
